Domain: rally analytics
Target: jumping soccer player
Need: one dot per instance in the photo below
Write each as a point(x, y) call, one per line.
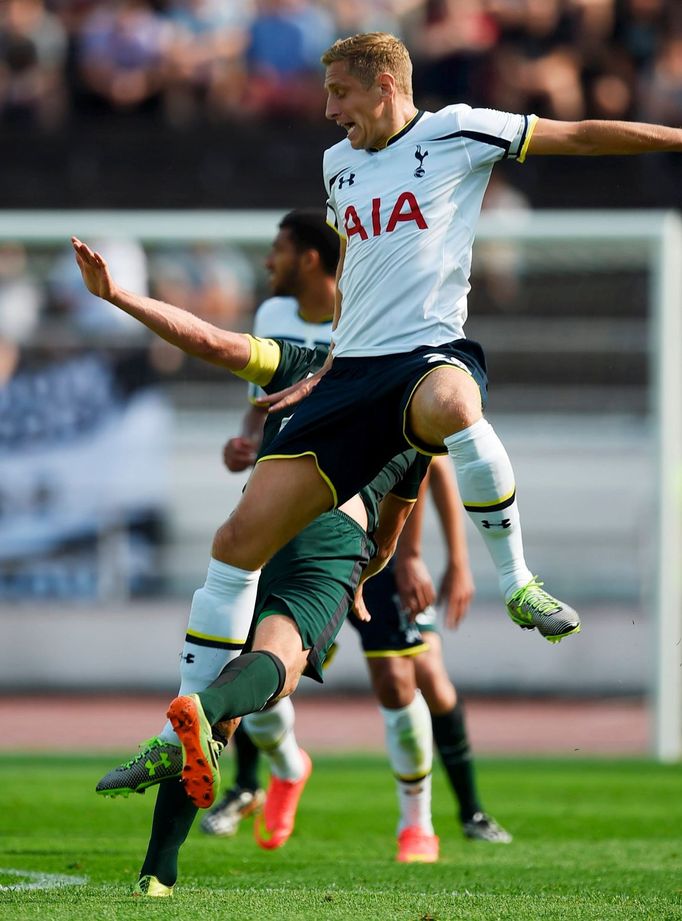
point(304, 592)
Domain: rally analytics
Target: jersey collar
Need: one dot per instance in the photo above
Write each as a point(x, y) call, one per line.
point(403, 131)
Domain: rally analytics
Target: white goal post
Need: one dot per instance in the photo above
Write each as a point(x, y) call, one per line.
point(657, 236)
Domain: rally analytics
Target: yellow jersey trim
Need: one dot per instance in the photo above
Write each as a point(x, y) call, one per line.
point(332, 488)
point(396, 653)
point(214, 639)
point(505, 498)
point(263, 361)
point(533, 120)
point(336, 230)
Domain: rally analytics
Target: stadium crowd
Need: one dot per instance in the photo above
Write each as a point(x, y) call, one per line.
point(188, 60)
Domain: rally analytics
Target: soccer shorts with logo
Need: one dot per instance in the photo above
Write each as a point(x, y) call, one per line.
point(313, 579)
point(390, 632)
point(355, 420)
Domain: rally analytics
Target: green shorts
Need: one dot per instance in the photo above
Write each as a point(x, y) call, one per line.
point(313, 580)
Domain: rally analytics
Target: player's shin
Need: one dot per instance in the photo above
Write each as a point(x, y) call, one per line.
point(174, 814)
point(486, 484)
point(244, 686)
point(219, 621)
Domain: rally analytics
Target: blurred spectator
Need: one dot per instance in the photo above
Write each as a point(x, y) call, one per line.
point(215, 282)
point(353, 16)
point(121, 55)
point(21, 303)
point(286, 39)
point(449, 40)
point(205, 57)
point(33, 46)
point(662, 86)
point(88, 314)
point(210, 59)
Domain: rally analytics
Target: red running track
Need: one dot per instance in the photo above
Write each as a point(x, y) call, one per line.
point(334, 723)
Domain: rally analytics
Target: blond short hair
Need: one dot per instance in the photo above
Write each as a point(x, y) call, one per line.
point(370, 54)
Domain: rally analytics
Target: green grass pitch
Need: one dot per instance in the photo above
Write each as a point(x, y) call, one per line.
point(594, 840)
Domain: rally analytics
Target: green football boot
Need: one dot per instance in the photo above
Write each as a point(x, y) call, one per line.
point(155, 762)
point(532, 607)
point(151, 887)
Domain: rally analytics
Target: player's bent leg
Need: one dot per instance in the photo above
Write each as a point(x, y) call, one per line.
point(211, 640)
point(445, 409)
point(282, 496)
point(247, 684)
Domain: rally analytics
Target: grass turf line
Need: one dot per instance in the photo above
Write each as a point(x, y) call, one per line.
point(593, 840)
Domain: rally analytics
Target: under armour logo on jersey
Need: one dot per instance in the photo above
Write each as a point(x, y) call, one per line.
point(188, 658)
point(505, 523)
point(420, 171)
point(349, 179)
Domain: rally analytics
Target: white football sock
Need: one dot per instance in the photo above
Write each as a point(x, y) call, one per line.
point(486, 485)
point(219, 622)
point(409, 741)
point(272, 732)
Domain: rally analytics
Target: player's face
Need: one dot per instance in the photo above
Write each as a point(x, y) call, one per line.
point(354, 107)
point(283, 265)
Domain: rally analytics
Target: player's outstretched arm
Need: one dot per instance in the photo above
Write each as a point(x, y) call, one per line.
point(177, 326)
point(601, 138)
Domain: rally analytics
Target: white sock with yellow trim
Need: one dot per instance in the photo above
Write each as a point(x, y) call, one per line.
point(409, 741)
point(486, 485)
point(219, 621)
point(272, 732)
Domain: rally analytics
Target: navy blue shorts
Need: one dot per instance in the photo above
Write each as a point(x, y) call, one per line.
point(355, 420)
point(390, 632)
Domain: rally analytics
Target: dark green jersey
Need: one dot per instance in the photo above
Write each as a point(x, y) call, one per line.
point(402, 475)
point(295, 364)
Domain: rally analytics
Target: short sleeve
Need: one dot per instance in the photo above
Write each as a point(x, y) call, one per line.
point(495, 135)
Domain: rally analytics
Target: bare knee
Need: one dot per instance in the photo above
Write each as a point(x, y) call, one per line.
point(447, 401)
point(393, 682)
point(434, 683)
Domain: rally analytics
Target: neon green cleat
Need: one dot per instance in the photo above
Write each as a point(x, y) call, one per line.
point(155, 762)
point(200, 751)
point(531, 607)
point(151, 887)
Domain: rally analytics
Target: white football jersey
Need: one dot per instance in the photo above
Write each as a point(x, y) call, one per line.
point(279, 318)
point(408, 214)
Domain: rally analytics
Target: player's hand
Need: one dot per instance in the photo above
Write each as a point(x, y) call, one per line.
point(414, 584)
point(94, 270)
point(455, 594)
point(239, 454)
point(274, 402)
point(359, 607)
